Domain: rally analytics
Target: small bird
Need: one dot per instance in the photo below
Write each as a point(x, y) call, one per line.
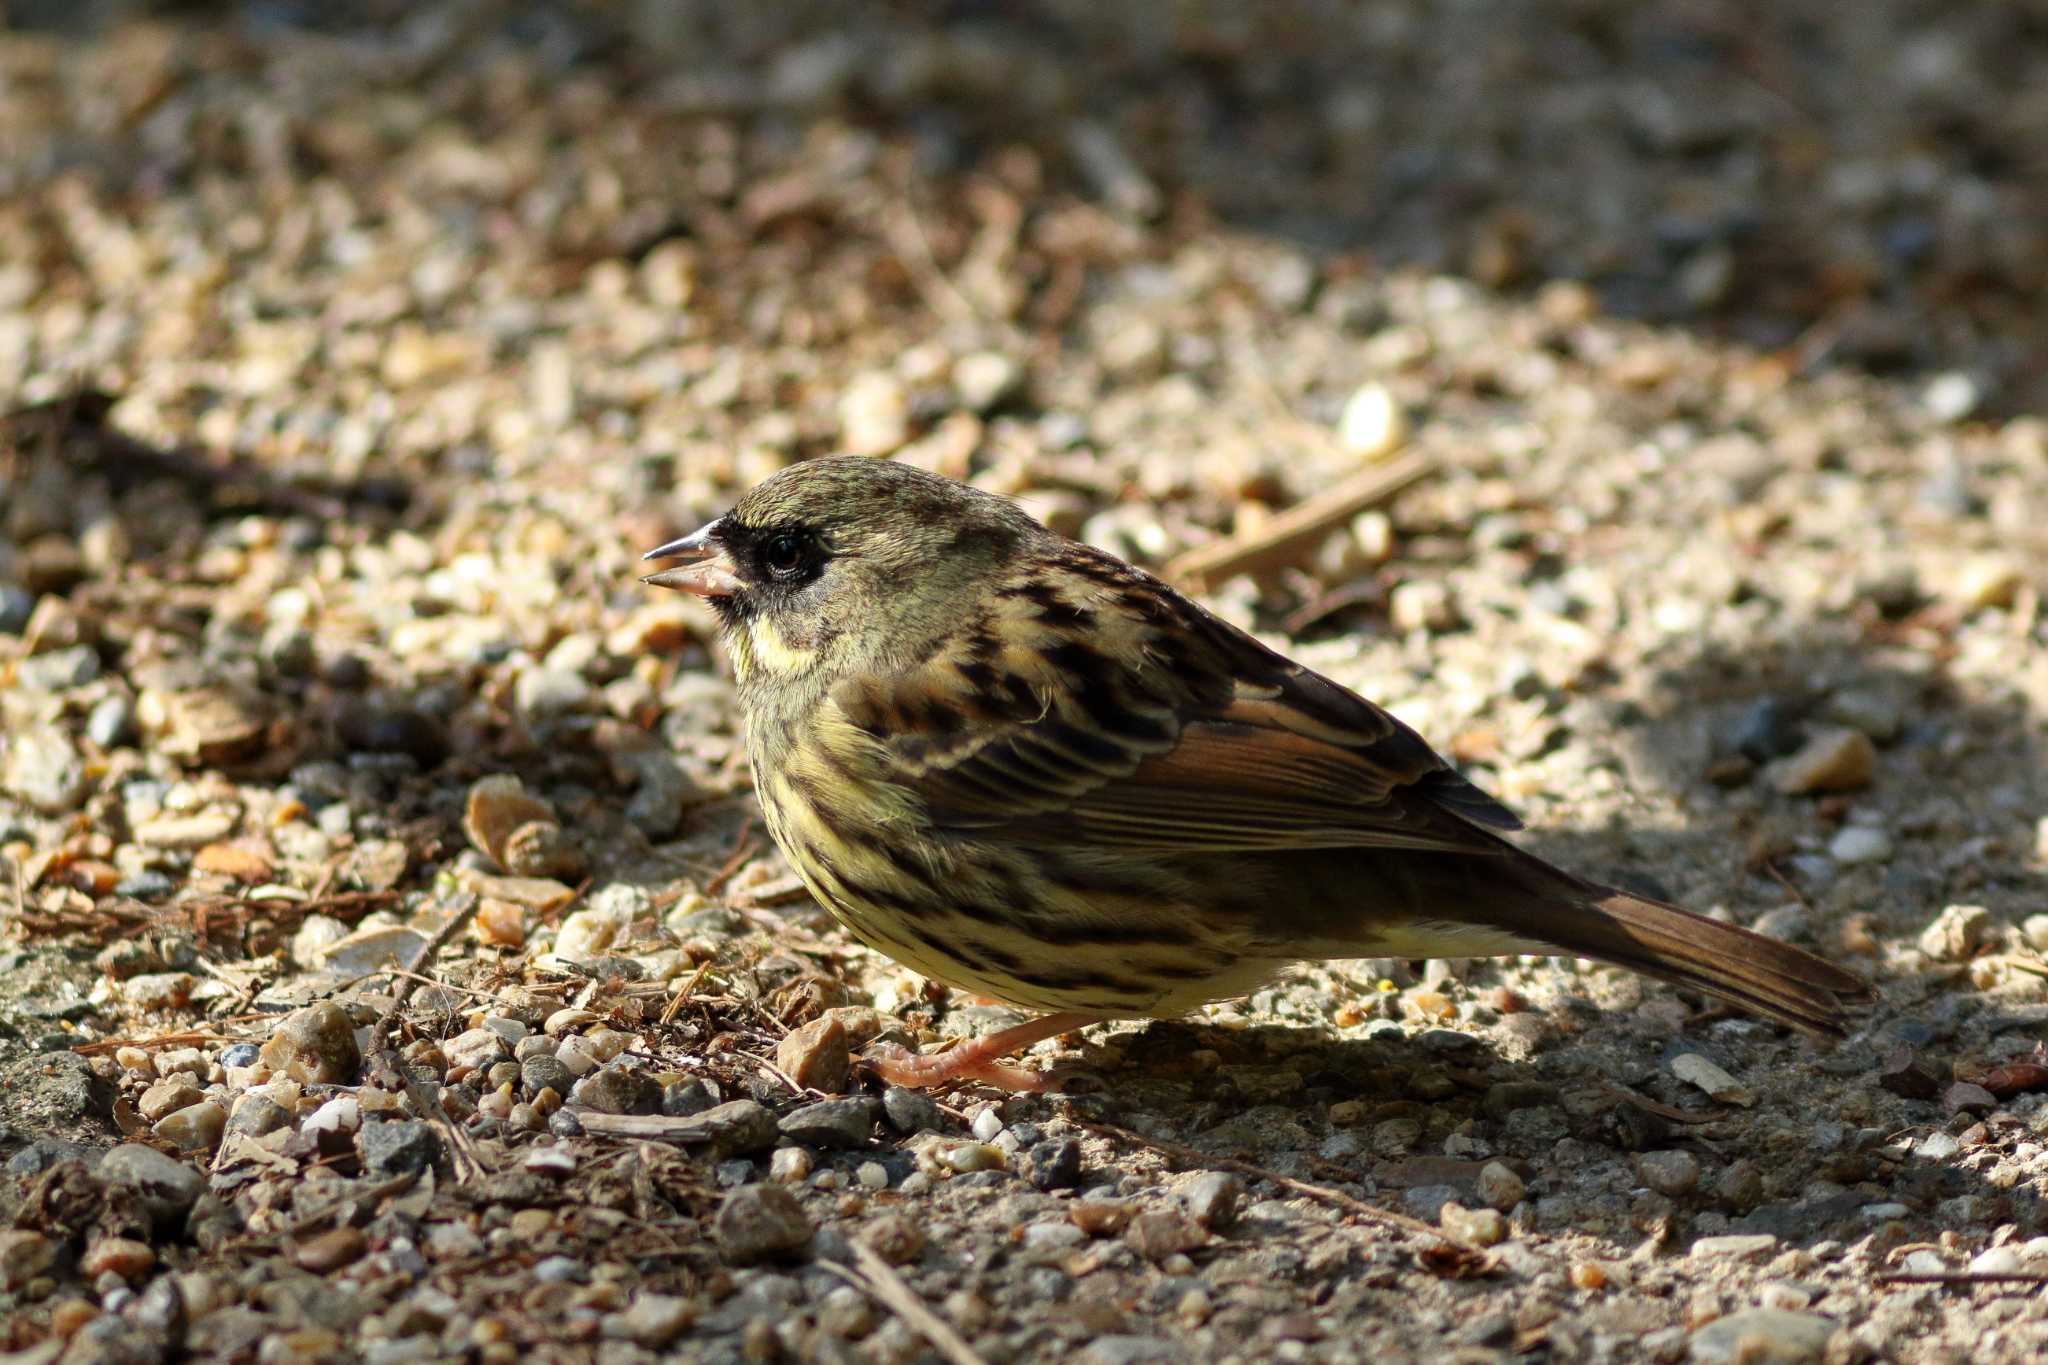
point(1024, 768)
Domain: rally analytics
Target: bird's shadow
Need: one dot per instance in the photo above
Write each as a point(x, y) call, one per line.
point(1416, 1111)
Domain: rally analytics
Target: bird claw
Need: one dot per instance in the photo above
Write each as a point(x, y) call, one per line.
point(967, 1062)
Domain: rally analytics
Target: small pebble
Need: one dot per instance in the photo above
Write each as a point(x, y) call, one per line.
point(761, 1222)
point(1213, 1198)
point(653, 1320)
point(1956, 933)
point(973, 1156)
point(1157, 1234)
point(1053, 1165)
point(1422, 604)
point(1500, 1186)
point(1988, 581)
point(558, 1270)
point(1480, 1227)
point(911, 1111)
point(895, 1237)
point(817, 1056)
point(196, 1127)
point(167, 1097)
point(831, 1123)
point(1831, 760)
point(1742, 1246)
point(330, 1250)
point(1860, 844)
point(1372, 425)
point(111, 722)
point(1696, 1070)
point(316, 1044)
point(121, 1256)
point(1966, 1098)
point(874, 415)
point(619, 1090)
point(1761, 1335)
point(985, 380)
point(1671, 1173)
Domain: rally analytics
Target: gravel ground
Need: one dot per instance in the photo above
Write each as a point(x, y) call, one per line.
point(1640, 399)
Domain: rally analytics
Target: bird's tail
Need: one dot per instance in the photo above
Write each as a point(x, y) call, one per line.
point(1745, 969)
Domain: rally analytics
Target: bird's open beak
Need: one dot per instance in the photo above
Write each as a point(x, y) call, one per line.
point(706, 571)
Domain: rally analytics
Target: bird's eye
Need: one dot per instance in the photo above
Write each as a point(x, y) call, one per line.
point(784, 555)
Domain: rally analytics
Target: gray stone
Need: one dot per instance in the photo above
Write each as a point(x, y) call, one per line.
point(680, 1099)
point(168, 1187)
point(544, 1071)
point(1500, 1186)
point(1213, 1198)
point(16, 605)
point(111, 723)
point(57, 670)
point(550, 691)
point(1764, 730)
point(1053, 1165)
point(761, 1222)
point(1123, 1349)
point(653, 1319)
point(1673, 1173)
point(831, 1123)
point(619, 1090)
point(398, 1146)
point(1860, 844)
point(44, 768)
point(911, 1111)
point(1427, 1201)
point(254, 1115)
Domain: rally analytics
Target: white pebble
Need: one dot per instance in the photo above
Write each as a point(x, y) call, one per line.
point(1696, 1070)
point(1860, 844)
point(1372, 425)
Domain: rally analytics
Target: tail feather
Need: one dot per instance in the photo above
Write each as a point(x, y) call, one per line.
point(1745, 969)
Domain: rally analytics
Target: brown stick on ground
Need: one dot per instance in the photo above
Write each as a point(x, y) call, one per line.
point(1287, 535)
point(880, 1279)
point(468, 1162)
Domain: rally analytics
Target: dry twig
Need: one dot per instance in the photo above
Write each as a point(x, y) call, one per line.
point(879, 1279)
point(467, 1160)
point(1963, 1277)
point(1288, 533)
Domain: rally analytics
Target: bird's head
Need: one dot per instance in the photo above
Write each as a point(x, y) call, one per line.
point(843, 565)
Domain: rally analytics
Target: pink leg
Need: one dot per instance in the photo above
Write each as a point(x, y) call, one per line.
point(977, 1059)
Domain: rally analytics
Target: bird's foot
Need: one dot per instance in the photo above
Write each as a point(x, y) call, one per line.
point(919, 1071)
point(978, 1059)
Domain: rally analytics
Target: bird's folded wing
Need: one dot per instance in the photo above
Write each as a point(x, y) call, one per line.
point(1265, 756)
